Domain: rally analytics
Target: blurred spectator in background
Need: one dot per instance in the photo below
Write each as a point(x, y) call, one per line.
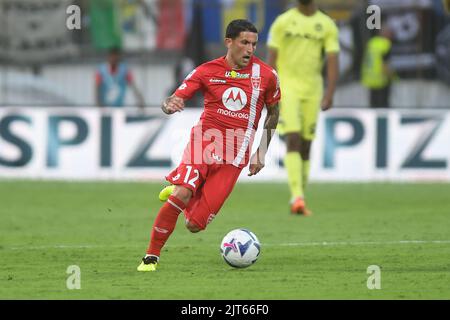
point(112, 79)
point(106, 29)
point(194, 54)
point(182, 68)
point(376, 74)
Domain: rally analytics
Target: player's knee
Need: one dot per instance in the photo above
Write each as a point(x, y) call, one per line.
point(193, 227)
point(305, 148)
point(182, 193)
point(293, 142)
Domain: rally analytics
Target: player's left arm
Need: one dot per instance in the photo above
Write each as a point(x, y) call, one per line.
point(331, 46)
point(274, 40)
point(270, 124)
point(332, 77)
point(272, 97)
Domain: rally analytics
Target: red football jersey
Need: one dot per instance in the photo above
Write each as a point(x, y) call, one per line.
point(233, 102)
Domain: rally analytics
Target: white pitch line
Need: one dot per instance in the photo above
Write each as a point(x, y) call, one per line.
point(292, 244)
point(360, 243)
point(64, 247)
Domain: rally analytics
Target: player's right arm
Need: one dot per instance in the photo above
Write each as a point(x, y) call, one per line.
point(274, 42)
point(173, 104)
point(191, 84)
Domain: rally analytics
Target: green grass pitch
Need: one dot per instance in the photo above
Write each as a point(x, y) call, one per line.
point(104, 229)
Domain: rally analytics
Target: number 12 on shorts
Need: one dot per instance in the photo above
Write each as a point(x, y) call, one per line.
point(195, 178)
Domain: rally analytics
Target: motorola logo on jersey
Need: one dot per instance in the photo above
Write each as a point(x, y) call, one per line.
point(234, 99)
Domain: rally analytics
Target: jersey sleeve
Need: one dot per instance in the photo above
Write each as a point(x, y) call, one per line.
point(191, 84)
point(332, 38)
point(273, 92)
point(275, 34)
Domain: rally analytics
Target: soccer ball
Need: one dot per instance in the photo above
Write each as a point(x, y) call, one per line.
point(240, 248)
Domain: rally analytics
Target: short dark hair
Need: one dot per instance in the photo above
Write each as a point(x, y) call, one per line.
point(235, 28)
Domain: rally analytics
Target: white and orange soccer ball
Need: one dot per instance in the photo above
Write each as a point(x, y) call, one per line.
point(240, 248)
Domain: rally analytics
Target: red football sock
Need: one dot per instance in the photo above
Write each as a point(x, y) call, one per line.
point(164, 224)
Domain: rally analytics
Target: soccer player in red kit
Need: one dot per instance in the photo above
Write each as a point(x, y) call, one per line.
point(236, 87)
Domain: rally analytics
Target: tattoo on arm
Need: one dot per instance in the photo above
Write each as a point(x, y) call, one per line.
point(270, 124)
point(164, 105)
point(273, 114)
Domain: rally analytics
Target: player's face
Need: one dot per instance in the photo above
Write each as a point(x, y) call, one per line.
point(242, 48)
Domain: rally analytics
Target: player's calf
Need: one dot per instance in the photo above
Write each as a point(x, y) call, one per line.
point(182, 193)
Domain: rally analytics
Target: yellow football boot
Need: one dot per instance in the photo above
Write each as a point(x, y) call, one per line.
point(166, 192)
point(148, 263)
